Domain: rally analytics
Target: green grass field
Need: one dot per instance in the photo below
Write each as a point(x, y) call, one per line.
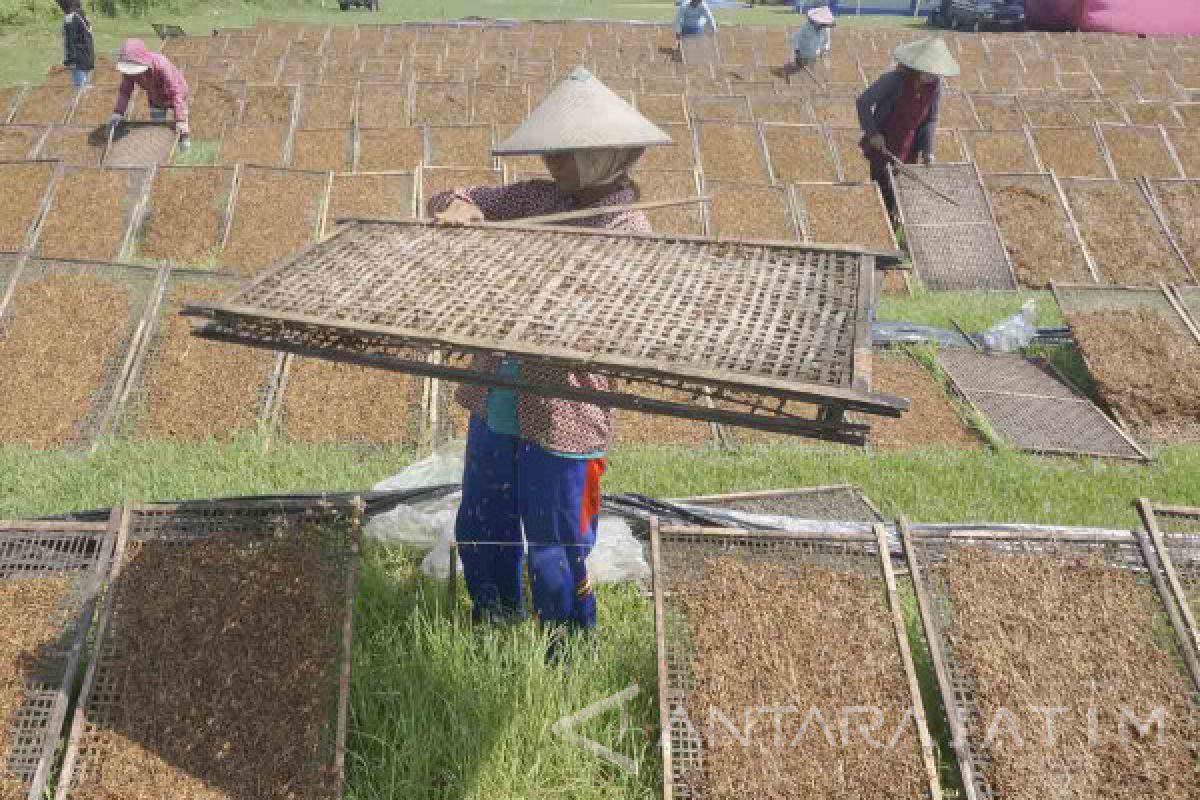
point(443, 711)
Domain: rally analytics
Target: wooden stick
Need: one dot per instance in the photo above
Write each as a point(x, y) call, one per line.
point(584, 213)
point(912, 173)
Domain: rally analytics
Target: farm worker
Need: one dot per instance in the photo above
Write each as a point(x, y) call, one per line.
point(534, 461)
point(813, 39)
point(692, 17)
point(79, 51)
point(163, 82)
point(899, 112)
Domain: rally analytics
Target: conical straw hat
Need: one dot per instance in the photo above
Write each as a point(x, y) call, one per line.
point(581, 113)
point(928, 55)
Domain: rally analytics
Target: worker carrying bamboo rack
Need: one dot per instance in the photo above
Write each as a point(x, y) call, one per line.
point(692, 18)
point(899, 112)
point(533, 461)
point(162, 81)
point(814, 39)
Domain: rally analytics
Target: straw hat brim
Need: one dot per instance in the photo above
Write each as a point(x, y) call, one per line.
point(928, 55)
point(821, 15)
point(131, 68)
point(581, 113)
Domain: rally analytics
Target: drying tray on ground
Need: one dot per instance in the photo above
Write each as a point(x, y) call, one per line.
point(75, 145)
point(1038, 229)
point(323, 150)
point(183, 388)
point(953, 246)
point(268, 106)
point(1000, 151)
point(731, 151)
point(799, 153)
point(749, 211)
point(1072, 152)
point(441, 103)
point(276, 213)
point(92, 212)
point(661, 185)
point(325, 401)
point(838, 503)
point(25, 189)
point(672, 312)
point(20, 142)
point(1028, 404)
point(140, 144)
point(383, 105)
point(260, 594)
point(186, 215)
point(1187, 148)
point(50, 576)
point(212, 107)
point(998, 112)
point(848, 214)
point(326, 107)
point(388, 149)
point(264, 146)
point(1140, 150)
point(933, 421)
point(679, 155)
point(1179, 203)
point(1126, 239)
point(492, 105)
point(44, 105)
point(725, 644)
point(69, 336)
point(371, 195)
point(1019, 621)
point(461, 146)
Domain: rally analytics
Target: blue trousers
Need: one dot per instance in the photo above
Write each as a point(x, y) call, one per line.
point(510, 484)
point(80, 77)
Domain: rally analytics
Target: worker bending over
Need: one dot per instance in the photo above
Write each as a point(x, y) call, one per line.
point(162, 81)
point(534, 462)
point(814, 38)
point(899, 112)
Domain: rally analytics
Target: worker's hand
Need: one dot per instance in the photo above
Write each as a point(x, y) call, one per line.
point(459, 212)
point(877, 142)
point(114, 120)
point(182, 129)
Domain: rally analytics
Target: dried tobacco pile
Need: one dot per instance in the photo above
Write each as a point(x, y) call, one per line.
point(799, 154)
point(931, 421)
point(1071, 152)
point(87, 218)
point(1181, 205)
point(441, 104)
point(1145, 368)
point(1122, 235)
point(1139, 151)
point(195, 389)
point(63, 331)
point(750, 212)
point(80, 147)
point(1152, 113)
point(370, 197)
point(383, 105)
point(1075, 635)
point(327, 107)
point(330, 402)
point(672, 185)
point(264, 146)
point(276, 216)
point(43, 105)
point(465, 146)
point(499, 104)
point(1002, 151)
point(1035, 230)
point(268, 106)
point(389, 149)
point(855, 167)
point(784, 110)
point(16, 144)
point(211, 106)
point(322, 150)
point(728, 109)
point(998, 115)
point(186, 215)
point(680, 155)
point(30, 620)
point(849, 215)
point(837, 111)
point(1187, 147)
point(731, 152)
point(1050, 115)
point(831, 646)
point(632, 428)
point(226, 672)
point(662, 107)
point(22, 189)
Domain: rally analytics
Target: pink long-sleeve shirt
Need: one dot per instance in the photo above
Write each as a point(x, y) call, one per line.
point(558, 425)
point(164, 84)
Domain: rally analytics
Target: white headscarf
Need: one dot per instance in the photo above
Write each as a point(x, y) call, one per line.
point(602, 167)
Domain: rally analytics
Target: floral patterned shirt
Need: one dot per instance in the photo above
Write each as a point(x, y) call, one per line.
point(559, 425)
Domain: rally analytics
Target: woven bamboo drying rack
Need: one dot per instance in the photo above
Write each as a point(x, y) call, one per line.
point(1175, 531)
point(79, 552)
point(640, 308)
point(180, 524)
point(679, 554)
point(927, 549)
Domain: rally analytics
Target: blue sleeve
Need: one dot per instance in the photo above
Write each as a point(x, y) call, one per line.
point(885, 87)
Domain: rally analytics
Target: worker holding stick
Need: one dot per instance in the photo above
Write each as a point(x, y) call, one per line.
point(692, 18)
point(534, 461)
point(162, 81)
point(899, 111)
point(814, 39)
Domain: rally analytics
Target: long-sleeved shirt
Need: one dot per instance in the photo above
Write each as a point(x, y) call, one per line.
point(811, 40)
point(164, 84)
point(693, 18)
point(876, 103)
point(79, 52)
point(558, 425)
